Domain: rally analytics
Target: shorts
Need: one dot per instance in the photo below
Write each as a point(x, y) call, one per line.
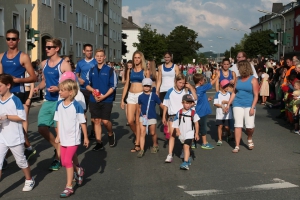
point(18, 153)
point(46, 114)
point(27, 95)
point(100, 110)
point(171, 118)
point(224, 122)
point(240, 114)
point(150, 121)
point(203, 125)
point(188, 142)
point(133, 97)
point(21, 96)
point(86, 95)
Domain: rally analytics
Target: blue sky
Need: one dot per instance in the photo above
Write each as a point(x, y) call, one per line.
point(210, 19)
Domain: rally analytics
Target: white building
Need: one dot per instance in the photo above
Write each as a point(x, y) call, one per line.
point(131, 30)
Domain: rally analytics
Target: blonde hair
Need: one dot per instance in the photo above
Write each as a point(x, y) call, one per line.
point(198, 77)
point(245, 68)
point(56, 42)
point(69, 85)
point(143, 62)
point(99, 50)
point(152, 70)
point(179, 77)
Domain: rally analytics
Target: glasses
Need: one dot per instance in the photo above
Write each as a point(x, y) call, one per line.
point(13, 39)
point(50, 47)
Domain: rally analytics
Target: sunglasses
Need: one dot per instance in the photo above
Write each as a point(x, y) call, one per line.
point(13, 39)
point(50, 47)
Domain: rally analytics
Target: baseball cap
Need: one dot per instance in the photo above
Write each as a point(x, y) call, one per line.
point(188, 98)
point(67, 75)
point(147, 81)
point(224, 82)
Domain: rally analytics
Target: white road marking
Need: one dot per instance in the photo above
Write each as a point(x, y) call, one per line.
point(279, 184)
point(182, 186)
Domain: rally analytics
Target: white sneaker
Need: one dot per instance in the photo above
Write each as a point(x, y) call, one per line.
point(182, 154)
point(29, 184)
point(169, 158)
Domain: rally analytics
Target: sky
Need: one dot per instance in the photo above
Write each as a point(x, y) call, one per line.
point(210, 19)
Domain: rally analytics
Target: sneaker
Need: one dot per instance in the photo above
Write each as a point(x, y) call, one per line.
point(296, 132)
point(190, 161)
point(55, 165)
point(99, 146)
point(28, 153)
point(182, 154)
point(4, 165)
point(154, 149)
point(207, 146)
point(184, 166)
point(28, 186)
point(92, 135)
point(169, 158)
point(79, 176)
point(140, 154)
point(66, 193)
point(193, 145)
point(219, 143)
point(112, 140)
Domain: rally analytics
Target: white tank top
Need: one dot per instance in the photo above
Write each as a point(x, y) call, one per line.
point(167, 79)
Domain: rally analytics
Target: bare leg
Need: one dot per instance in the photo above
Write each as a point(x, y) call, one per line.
point(131, 109)
point(45, 132)
point(27, 173)
point(172, 138)
point(70, 172)
point(152, 130)
point(138, 129)
point(238, 136)
point(142, 136)
point(98, 129)
point(186, 150)
point(108, 126)
point(220, 130)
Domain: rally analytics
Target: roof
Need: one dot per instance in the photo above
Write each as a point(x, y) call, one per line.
point(128, 24)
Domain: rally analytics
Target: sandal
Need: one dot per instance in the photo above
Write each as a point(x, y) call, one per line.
point(236, 149)
point(250, 144)
point(66, 193)
point(140, 154)
point(263, 103)
point(135, 149)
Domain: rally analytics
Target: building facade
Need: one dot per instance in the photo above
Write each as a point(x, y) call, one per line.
point(131, 30)
point(74, 22)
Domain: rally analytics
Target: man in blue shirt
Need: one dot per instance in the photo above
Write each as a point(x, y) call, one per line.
point(82, 68)
point(101, 81)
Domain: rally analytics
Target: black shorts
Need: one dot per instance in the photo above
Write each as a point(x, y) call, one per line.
point(224, 122)
point(188, 142)
point(86, 95)
point(100, 110)
point(21, 96)
point(27, 95)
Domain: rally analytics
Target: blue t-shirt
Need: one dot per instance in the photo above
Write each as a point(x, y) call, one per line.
point(83, 67)
point(244, 93)
point(143, 101)
point(203, 107)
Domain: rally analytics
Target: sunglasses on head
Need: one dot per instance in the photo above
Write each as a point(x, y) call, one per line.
point(13, 39)
point(49, 47)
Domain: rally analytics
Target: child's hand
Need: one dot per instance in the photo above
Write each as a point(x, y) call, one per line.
point(57, 140)
point(209, 98)
point(86, 142)
point(164, 121)
point(197, 137)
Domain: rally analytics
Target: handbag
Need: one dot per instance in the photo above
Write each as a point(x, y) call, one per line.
point(145, 117)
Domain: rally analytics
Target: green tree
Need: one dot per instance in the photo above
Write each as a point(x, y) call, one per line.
point(258, 43)
point(201, 58)
point(182, 43)
point(152, 44)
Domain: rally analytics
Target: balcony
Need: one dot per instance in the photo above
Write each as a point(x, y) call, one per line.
point(105, 19)
point(105, 40)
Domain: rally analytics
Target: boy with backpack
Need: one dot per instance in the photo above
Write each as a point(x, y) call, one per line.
point(187, 128)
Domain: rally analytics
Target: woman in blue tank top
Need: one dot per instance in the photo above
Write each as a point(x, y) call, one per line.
point(225, 73)
point(244, 100)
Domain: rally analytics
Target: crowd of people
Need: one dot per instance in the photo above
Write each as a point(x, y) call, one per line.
point(71, 90)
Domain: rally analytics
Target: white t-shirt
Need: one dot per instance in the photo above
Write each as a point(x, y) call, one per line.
point(173, 100)
point(219, 97)
point(185, 127)
point(235, 69)
point(11, 133)
point(79, 98)
point(69, 117)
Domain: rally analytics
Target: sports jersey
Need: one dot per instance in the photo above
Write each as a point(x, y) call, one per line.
point(52, 75)
point(14, 68)
point(222, 77)
point(143, 101)
point(168, 75)
point(185, 127)
point(83, 67)
point(219, 97)
point(203, 107)
point(136, 77)
point(173, 100)
point(11, 133)
point(79, 98)
point(69, 117)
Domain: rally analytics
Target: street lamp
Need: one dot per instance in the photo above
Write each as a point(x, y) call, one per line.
point(273, 13)
point(237, 29)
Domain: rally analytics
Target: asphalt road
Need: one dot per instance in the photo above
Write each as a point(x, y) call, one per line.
point(270, 171)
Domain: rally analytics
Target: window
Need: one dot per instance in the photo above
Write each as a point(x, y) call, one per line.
point(1, 22)
point(16, 21)
point(296, 42)
point(78, 49)
point(71, 6)
point(110, 53)
point(78, 19)
point(91, 24)
point(62, 12)
point(84, 22)
point(63, 50)
point(100, 29)
point(110, 33)
point(101, 5)
point(91, 2)
point(47, 2)
point(110, 13)
point(71, 34)
point(96, 22)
